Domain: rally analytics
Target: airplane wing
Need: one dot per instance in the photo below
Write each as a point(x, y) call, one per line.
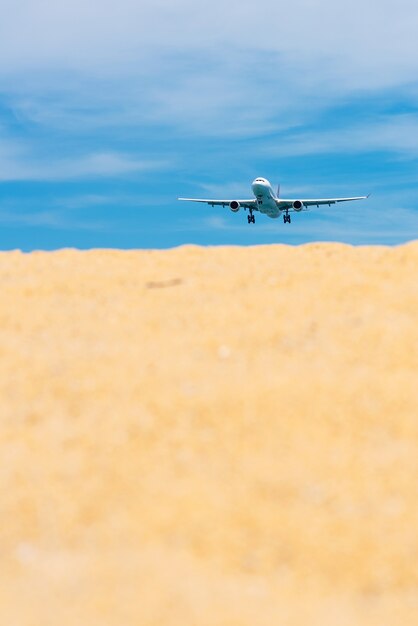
point(247, 204)
point(288, 204)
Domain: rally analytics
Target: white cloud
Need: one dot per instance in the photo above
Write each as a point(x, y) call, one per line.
point(50, 219)
point(16, 163)
point(207, 66)
point(396, 134)
point(204, 68)
point(393, 224)
point(355, 44)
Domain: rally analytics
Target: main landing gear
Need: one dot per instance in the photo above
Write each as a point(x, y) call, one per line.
point(286, 218)
point(251, 218)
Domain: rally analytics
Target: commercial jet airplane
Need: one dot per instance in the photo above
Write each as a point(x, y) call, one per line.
point(268, 202)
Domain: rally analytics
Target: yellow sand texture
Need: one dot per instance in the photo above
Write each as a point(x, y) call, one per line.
point(198, 437)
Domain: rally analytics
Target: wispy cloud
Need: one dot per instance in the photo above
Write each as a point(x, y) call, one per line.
point(389, 224)
point(18, 165)
point(397, 134)
point(50, 219)
point(97, 97)
point(350, 41)
point(180, 64)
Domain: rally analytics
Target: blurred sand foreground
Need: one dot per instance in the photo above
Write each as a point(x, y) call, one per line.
point(222, 436)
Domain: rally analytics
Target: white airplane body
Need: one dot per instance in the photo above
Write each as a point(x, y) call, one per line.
point(268, 202)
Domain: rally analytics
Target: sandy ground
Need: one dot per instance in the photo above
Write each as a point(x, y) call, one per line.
point(200, 437)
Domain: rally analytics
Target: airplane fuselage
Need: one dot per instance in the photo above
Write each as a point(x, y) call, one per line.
point(266, 198)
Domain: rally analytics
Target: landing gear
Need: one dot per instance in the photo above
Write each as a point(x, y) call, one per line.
point(286, 218)
point(251, 218)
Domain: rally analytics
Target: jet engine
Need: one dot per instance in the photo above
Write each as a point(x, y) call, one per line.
point(234, 206)
point(298, 205)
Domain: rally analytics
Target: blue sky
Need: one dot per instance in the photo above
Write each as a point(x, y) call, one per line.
point(110, 111)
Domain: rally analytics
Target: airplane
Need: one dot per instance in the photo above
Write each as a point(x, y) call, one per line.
point(268, 202)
